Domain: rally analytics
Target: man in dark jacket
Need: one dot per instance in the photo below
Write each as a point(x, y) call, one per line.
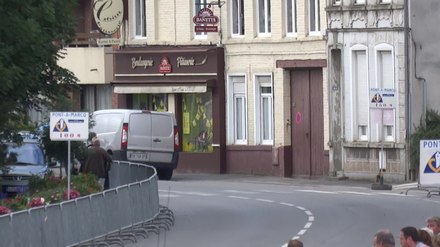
point(96, 161)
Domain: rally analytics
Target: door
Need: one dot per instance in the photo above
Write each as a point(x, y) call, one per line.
point(139, 137)
point(307, 123)
point(162, 135)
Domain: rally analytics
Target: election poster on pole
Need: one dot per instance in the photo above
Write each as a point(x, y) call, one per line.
point(69, 126)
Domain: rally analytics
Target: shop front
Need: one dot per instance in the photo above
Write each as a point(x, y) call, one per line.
point(186, 80)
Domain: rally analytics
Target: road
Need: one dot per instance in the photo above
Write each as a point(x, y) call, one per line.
point(232, 210)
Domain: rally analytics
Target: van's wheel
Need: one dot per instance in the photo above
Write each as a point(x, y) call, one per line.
point(165, 174)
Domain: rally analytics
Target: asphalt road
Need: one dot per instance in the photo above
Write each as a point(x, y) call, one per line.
point(232, 210)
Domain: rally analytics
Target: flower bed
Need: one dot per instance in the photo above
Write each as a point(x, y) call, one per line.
point(43, 191)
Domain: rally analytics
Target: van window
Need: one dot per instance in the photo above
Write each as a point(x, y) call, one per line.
point(105, 123)
point(162, 125)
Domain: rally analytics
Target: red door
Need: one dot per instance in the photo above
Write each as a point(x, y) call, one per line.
point(307, 123)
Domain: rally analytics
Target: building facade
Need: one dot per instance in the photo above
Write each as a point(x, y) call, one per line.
point(246, 80)
point(367, 88)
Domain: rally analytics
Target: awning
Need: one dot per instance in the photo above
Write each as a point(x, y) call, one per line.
point(133, 89)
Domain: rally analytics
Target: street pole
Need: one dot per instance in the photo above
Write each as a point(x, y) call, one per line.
point(68, 170)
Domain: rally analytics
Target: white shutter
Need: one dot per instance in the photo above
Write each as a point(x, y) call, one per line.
point(362, 94)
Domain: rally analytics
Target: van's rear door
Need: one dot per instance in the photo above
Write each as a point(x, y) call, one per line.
point(162, 147)
point(139, 137)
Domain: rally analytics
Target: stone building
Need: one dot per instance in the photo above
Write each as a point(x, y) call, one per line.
point(368, 116)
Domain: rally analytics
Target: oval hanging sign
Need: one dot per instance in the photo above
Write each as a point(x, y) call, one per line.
point(108, 15)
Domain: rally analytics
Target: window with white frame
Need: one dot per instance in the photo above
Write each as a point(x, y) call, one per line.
point(385, 80)
point(291, 27)
point(237, 114)
point(314, 20)
point(264, 109)
point(237, 17)
point(198, 5)
point(139, 22)
point(360, 97)
point(264, 18)
point(359, 1)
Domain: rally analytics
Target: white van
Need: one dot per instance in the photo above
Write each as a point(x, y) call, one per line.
point(140, 136)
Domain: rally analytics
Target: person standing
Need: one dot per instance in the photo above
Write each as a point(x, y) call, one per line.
point(383, 238)
point(96, 161)
point(409, 237)
point(433, 223)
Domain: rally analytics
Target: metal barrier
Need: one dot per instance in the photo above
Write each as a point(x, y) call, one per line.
point(130, 208)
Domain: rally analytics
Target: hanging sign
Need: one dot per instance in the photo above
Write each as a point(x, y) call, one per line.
point(205, 21)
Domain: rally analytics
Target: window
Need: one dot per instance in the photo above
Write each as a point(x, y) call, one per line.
point(385, 1)
point(291, 17)
point(385, 80)
point(197, 122)
point(139, 21)
point(264, 109)
point(200, 4)
point(237, 110)
point(359, 1)
point(237, 10)
point(152, 102)
point(264, 20)
point(360, 110)
point(336, 2)
point(314, 20)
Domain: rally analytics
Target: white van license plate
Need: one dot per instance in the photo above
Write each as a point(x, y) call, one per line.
point(138, 156)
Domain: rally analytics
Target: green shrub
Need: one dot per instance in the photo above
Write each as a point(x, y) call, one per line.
point(428, 129)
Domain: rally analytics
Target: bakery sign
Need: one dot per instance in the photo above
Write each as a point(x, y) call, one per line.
point(205, 21)
point(108, 15)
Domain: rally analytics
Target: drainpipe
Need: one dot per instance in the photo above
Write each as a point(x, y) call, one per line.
point(407, 87)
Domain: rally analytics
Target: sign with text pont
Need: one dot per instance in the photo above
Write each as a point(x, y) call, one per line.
point(69, 126)
point(429, 167)
point(383, 98)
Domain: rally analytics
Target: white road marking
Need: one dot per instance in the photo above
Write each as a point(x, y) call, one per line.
point(264, 200)
point(318, 191)
point(239, 197)
point(287, 204)
point(356, 193)
point(275, 192)
point(168, 195)
point(191, 193)
point(241, 192)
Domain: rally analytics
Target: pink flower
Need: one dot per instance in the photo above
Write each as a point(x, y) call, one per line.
point(36, 202)
point(4, 210)
point(73, 194)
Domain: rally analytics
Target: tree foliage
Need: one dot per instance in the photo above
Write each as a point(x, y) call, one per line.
point(428, 129)
point(32, 34)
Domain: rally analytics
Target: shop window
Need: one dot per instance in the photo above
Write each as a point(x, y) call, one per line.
point(197, 122)
point(264, 18)
point(152, 102)
point(291, 18)
point(237, 17)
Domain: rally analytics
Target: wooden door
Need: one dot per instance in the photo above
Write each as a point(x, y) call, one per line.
point(307, 123)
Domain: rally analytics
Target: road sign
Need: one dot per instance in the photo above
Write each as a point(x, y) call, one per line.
point(382, 98)
point(69, 126)
point(429, 163)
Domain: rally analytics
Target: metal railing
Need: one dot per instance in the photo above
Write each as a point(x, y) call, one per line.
point(128, 209)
